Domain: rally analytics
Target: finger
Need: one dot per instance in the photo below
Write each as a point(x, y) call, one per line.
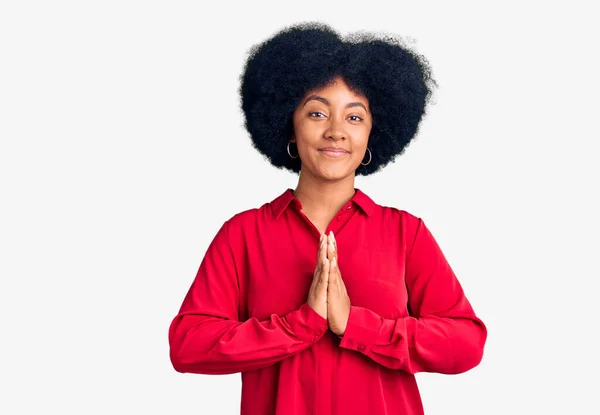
point(319, 266)
point(333, 243)
point(324, 275)
point(334, 272)
point(330, 248)
point(320, 247)
point(323, 249)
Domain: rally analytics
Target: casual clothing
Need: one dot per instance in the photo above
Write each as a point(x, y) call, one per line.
point(246, 311)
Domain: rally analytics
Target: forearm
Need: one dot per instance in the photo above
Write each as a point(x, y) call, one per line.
point(448, 345)
point(212, 345)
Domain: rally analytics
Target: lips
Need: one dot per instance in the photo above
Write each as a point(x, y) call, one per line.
point(333, 150)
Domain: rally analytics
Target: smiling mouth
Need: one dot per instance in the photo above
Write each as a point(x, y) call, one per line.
point(334, 153)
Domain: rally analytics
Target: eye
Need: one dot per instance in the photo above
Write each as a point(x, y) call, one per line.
point(315, 112)
point(356, 116)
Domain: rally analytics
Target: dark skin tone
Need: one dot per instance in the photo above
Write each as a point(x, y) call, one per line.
point(331, 130)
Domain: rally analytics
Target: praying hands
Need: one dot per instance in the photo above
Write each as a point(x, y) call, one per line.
point(327, 294)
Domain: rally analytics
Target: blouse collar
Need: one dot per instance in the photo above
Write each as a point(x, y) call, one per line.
point(287, 198)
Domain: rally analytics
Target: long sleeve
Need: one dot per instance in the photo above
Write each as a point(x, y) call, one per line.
point(441, 334)
point(207, 337)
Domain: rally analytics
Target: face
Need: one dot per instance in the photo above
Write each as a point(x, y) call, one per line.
point(331, 130)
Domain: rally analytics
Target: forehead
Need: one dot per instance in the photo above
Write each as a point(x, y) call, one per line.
point(337, 89)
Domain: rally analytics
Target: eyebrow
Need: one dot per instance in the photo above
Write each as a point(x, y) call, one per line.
point(326, 102)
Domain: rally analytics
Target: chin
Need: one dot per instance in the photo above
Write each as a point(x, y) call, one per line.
point(334, 174)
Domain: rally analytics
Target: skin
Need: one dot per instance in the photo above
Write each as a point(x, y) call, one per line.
point(327, 294)
point(333, 116)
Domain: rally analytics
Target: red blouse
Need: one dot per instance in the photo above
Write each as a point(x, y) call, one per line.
point(246, 311)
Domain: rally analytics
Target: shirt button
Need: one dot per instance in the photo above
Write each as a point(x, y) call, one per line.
point(361, 348)
point(339, 217)
point(316, 336)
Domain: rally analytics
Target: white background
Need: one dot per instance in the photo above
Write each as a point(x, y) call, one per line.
point(123, 151)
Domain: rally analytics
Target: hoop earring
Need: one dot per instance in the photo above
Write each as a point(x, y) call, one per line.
point(369, 162)
point(288, 150)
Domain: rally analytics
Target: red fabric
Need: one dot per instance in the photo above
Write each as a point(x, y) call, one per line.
point(246, 312)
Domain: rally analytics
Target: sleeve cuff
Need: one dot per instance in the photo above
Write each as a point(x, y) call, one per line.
point(362, 330)
point(307, 324)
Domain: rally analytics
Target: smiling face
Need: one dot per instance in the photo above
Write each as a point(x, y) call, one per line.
point(331, 130)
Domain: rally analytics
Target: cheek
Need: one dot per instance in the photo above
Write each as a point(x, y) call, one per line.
point(306, 137)
point(299, 127)
point(357, 158)
point(364, 142)
point(308, 129)
point(361, 141)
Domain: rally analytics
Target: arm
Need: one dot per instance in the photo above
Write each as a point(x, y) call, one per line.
point(206, 336)
point(442, 333)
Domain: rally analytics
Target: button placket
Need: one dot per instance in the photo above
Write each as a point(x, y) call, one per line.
point(343, 215)
point(342, 212)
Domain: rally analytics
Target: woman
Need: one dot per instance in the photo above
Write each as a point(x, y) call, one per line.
point(325, 301)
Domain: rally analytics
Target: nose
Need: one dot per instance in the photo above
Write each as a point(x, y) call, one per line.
point(335, 130)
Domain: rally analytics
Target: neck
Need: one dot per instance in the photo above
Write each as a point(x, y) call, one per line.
point(319, 195)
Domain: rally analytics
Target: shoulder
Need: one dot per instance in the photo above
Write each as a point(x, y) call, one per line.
point(385, 213)
point(407, 223)
point(402, 216)
point(249, 218)
point(265, 213)
point(389, 217)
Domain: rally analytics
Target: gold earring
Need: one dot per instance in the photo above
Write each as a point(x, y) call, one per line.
point(369, 158)
point(288, 150)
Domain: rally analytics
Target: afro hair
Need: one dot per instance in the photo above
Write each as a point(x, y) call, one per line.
point(278, 72)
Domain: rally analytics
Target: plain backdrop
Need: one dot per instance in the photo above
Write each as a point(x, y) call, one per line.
point(123, 151)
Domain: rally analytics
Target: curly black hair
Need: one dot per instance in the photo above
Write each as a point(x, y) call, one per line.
point(397, 82)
